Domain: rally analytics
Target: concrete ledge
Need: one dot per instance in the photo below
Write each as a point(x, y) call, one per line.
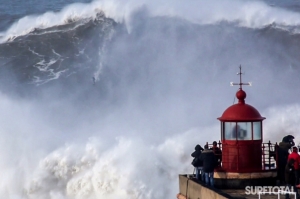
point(196, 190)
point(253, 175)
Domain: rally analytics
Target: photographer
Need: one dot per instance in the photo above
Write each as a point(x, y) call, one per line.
point(197, 163)
point(283, 153)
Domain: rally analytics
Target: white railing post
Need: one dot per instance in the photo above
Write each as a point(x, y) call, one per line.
point(278, 193)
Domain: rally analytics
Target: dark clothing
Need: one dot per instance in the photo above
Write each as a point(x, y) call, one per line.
point(290, 177)
point(196, 154)
point(289, 173)
point(218, 155)
point(296, 177)
point(208, 158)
point(283, 153)
point(288, 139)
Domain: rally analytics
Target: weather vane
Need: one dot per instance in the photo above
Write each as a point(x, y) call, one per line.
point(240, 74)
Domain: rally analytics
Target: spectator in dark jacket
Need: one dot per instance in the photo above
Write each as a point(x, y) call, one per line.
point(197, 163)
point(218, 153)
point(283, 153)
point(208, 158)
point(289, 174)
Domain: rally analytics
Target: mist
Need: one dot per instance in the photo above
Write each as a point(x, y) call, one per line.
point(162, 74)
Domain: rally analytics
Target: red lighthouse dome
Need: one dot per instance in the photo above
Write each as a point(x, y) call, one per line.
point(241, 111)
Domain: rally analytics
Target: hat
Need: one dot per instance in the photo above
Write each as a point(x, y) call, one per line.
point(198, 147)
point(215, 143)
point(288, 138)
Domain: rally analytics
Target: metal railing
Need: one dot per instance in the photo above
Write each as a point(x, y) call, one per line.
point(268, 156)
point(280, 192)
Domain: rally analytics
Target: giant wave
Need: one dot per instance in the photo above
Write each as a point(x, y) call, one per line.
point(108, 99)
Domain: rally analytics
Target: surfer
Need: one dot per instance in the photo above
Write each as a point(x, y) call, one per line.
point(94, 80)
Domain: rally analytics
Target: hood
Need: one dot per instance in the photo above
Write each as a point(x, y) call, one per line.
point(288, 138)
point(198, 148)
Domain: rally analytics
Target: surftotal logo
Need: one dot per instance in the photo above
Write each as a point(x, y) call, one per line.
point(274, 190)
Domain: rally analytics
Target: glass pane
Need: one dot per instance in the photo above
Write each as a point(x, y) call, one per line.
point(256, 130)
point(230, 130)
point(244, 131)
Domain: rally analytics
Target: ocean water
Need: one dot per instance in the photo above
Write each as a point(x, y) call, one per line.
point(107, 98)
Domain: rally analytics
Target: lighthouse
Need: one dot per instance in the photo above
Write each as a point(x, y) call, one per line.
point(241, 135)
point(244, 155)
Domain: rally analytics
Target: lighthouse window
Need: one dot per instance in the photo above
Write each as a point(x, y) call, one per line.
point(256, 130)
point(230, 130)
point(244, 131)
point(241, 130)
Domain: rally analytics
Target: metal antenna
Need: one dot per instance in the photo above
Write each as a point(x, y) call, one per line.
point(241, 83)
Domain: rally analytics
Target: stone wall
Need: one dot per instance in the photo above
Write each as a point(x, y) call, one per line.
point(191, 189)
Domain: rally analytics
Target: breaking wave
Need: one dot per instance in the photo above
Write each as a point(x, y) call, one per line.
point(108, 99)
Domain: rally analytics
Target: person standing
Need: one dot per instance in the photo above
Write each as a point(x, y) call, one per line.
point(218, 153)
point(296, 157)
point(208, 158)
point(197, 163)
point(283, 153)
point(290, 177)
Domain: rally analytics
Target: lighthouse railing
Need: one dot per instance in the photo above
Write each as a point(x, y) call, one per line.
point(269, 156)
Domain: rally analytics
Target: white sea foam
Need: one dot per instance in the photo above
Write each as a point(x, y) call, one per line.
point(125, 167)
